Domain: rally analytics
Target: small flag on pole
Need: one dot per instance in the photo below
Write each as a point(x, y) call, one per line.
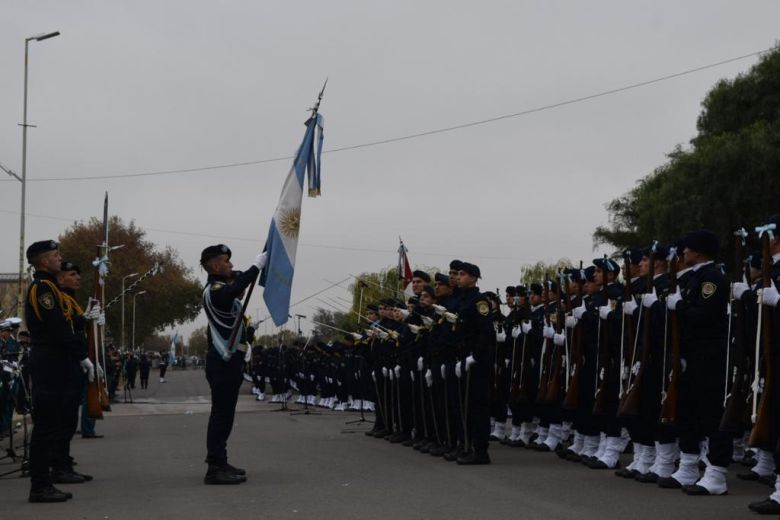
point(282, 242)
point(404, 270)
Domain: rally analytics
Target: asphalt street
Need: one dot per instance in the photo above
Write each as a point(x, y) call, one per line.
point(150, 465)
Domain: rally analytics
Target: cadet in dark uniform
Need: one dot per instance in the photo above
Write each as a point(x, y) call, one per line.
point(224, 362)
point(57, 356)
point(701, 307)
point(476, 340)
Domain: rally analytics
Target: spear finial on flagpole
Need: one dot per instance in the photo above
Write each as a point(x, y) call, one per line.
point(319, 99)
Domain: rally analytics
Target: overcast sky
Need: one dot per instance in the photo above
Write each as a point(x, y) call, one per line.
point(144, 86)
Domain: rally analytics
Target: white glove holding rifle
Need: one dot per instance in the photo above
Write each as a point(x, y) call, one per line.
point(88, 368)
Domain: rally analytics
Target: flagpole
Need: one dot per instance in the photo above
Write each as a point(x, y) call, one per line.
point(240, 317)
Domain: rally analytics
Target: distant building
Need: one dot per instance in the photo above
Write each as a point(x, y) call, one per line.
point(9, 290)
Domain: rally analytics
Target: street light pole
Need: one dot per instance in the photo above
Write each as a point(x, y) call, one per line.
point(139, 293)
point(122, 335)
point(38, 38)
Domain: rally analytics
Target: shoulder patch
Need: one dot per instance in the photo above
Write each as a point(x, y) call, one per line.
point(217, 286)
point(708, 289)
point(46, 300)
point(483, 307)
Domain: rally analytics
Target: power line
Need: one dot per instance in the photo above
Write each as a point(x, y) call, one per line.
point(411, 136)
point(256, 240)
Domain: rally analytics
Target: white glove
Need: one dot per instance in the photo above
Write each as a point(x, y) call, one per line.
point(393, 334)
point(629, 307)
point(370, 333)
point(443, 372)
point(559, 339)
point(457, 370)
point(93, 311)
point(500, 337)
point(526, 327)
point(100, 373)
point(414, 328)
point(649, 299)
point(672, 300)
point(338, 382)
point(548, 332)
point(383, 335)
point(427, 321)
point(440, 309)
point(391, 374)
point(356, 336)
point(384, 371)
point(470, 361)
point(311, 378)
point(420, 364)
point(506, 363)
point(604, 311)
point(452, 318)
point(411, 374)
point(579, 311)
point(739, 289)
point(429, 378)
point(261, 260)
point(88, 368)
point(102, 319)
point(398, 371)
point(404, 313)
point(770, 296)
point(516, 331)
point(570, 322)
point(683, 364)
point(373, 376)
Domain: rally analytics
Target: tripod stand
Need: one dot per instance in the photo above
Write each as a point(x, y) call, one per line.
point(26, 407)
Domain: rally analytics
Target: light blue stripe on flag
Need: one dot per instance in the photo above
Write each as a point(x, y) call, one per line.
point(282, 242)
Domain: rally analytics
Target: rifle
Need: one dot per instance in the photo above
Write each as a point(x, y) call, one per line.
point(572, 399)
point(629, 405)
point(670, 396)
point(602, 387)
point(627, 322)
point(761, 434)
point(733, 419)
point(556, 361)
point(547, 346)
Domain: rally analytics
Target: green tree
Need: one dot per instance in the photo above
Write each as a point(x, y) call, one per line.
point(172, 296)
point(198, 345)
point(726, 179)
point(541, 270)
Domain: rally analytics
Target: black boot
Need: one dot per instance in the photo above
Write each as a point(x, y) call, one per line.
point(474, 458)
point(219, 475)
point(47, 495)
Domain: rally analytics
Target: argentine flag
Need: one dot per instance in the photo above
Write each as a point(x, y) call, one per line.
point(172, 353)
point(282, 242)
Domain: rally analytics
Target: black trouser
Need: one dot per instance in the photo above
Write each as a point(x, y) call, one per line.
point(225, 381)
point(700, 411)
point(53, 414)
point(163, 370)
point(478, 379)
point(144, 379)
point(71, 402)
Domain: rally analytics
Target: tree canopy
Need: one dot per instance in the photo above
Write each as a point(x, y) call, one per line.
point(172, 296)
point(725, 179)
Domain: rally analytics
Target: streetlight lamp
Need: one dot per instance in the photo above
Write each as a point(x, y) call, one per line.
point(38, 38)
point(122, 341)
point(139, 293)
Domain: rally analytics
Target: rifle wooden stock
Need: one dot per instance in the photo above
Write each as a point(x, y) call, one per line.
point(572, 399)
point(761, 434)
point(632, 398)
point(670, 396)
point(97, 395)
point(733, 419)
point(555, 384)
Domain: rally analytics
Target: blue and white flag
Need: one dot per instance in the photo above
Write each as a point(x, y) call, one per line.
point(282, 243)
point(172, 353)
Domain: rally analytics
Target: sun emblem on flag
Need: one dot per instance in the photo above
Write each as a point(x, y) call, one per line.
point(290, 223)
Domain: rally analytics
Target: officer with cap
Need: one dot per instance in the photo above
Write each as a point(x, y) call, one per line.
point(476, 340)
point(701, 307)
point(224, 361)
point(57, 354)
